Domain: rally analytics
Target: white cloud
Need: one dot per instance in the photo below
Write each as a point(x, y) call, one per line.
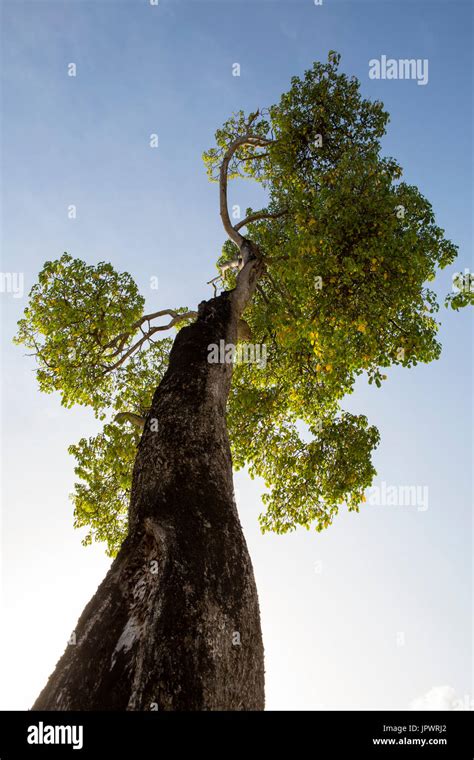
point(442, 698)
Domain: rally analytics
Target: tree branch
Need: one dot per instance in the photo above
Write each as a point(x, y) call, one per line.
point(259, 215)
point(247, 139)
point(146, 335)
point(147, 318)
point(134, 419)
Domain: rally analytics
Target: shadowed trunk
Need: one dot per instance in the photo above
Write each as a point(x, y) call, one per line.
point(175, 625)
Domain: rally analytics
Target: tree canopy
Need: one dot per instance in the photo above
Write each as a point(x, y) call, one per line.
point(348, 251)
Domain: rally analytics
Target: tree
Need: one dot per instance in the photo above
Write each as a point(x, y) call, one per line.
point(327, 282)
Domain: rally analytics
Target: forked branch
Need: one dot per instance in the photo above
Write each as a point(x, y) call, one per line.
point(120, 341)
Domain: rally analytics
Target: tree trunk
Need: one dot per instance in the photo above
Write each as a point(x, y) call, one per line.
point(175, 625)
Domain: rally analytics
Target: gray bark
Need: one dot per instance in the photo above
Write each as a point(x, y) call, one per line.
point(175, 625)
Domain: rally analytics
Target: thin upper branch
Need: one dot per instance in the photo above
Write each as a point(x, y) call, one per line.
point(247, 139)
point(259, 215)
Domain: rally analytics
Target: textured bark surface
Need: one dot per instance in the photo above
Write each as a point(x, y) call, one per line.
point(175, 625)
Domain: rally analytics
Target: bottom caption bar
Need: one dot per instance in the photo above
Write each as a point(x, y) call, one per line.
point(370, 734)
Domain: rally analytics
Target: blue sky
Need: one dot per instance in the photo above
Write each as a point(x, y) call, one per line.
point(333, 604)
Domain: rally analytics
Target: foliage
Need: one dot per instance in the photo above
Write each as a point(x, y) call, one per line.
point(348, 248)
point(104, 468)
point(105, 462)
point(75, 310)
point(347, 255)
point(75, 313)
